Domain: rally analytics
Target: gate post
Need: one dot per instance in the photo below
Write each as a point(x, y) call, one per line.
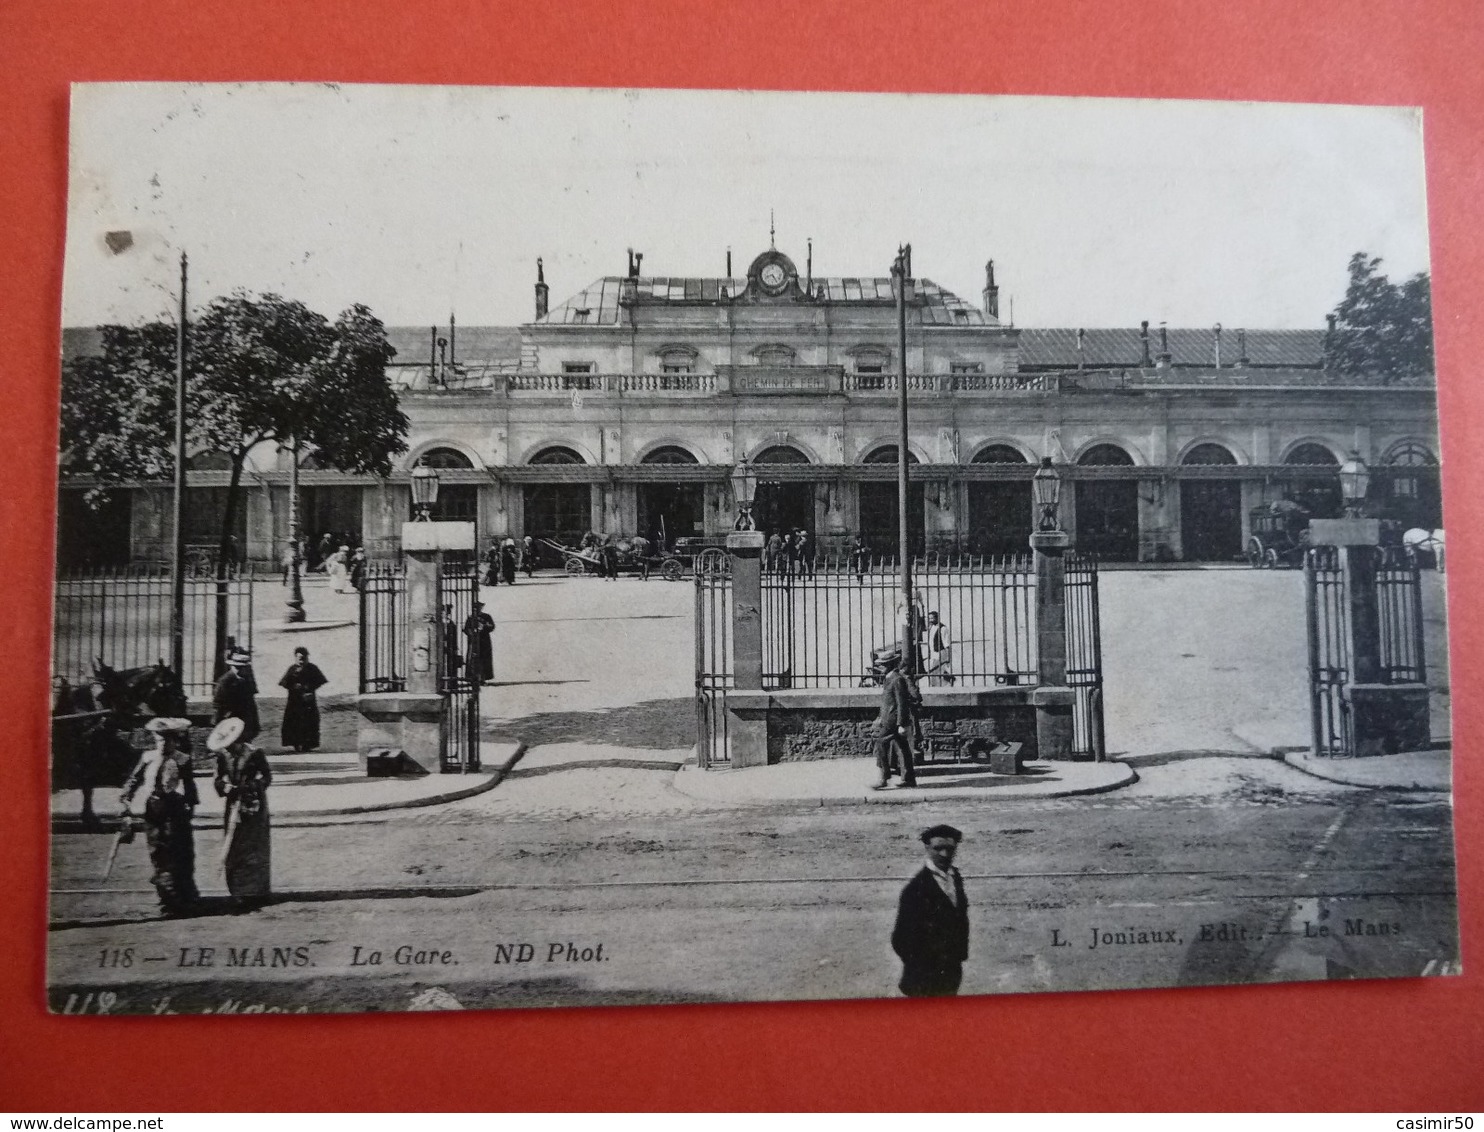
point(415, 720)
point(748, 733)
point(1053, 700)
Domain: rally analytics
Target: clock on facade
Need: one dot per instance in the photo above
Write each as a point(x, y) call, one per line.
point(773, 276)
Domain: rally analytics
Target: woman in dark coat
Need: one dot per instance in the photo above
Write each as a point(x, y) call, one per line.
point(242, 778)
point(507, 562)
point(479, 630)
point(301, 712)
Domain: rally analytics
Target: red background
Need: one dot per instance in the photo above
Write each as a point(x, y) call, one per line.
point(1406, 1044)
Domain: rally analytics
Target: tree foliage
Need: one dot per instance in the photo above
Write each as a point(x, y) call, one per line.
point(262, 368)
point(1382, 329)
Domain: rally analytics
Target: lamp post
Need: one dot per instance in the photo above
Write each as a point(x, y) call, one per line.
point(295, 614)
point(424, 491)
point(1355, 481)
point(901, 284)
point(744, 490)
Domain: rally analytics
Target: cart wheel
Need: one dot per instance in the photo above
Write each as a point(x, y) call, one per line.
point(1271, 558)
point(672, 570)
point(1254, 552)
point(711, 561)
point(576, 568)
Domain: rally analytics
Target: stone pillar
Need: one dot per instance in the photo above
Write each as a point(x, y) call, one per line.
point(1052, 698)
point(749, 736)
point(414, 720)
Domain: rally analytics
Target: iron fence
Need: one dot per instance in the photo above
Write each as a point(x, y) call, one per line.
point(714, 666)
point(458, 588)
point(1085, 656)
point(382, 665)
point(821, 620)
point(122, 617)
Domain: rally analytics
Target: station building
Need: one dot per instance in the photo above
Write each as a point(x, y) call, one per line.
point(624, 408)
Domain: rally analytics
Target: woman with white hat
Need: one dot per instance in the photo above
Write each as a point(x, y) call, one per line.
point(242, 778)
point(162, 789)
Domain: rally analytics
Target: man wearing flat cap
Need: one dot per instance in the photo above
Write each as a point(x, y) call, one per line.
point(931, 936)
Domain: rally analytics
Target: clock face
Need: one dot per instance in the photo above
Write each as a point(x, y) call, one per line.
point(773, 276)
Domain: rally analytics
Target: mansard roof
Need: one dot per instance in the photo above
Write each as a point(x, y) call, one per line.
point(1056, 348)
point(601, 299)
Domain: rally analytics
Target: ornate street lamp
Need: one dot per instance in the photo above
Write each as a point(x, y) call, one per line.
point(1046, 487)
point(424, 491)
point(744, 490)
point(1355, 479)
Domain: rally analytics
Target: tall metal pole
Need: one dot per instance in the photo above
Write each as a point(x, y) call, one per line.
point(904, 550)
point(296, 590)
point(177, 558)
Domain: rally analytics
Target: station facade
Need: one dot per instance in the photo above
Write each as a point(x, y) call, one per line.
point(624, 409)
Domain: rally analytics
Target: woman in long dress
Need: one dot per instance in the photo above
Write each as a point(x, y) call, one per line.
point(242, 778)
point(339, 572)
point(302, 681)
point(163, 790)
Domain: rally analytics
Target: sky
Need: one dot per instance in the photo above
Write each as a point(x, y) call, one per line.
point(426, 201)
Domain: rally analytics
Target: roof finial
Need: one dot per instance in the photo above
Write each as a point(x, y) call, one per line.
point(771, 245)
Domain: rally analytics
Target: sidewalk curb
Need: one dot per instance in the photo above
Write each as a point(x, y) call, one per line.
point(897, 797)
point(1293, 759)
point(71, 824)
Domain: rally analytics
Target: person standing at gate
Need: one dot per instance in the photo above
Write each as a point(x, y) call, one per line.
point(449, 643)
point(774, 553)
point(894, 723)
point(479, 629)
point(162, 789)
point(860, 557)
point(236, 692)
point(300, 730)
point(804, 552)
point(528, 556)
point(939, 651)
point(931, 934)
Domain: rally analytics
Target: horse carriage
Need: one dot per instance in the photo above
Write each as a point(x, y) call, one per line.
point(1280, 534)
point(633, 555)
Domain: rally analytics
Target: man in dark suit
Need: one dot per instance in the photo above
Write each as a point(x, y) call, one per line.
point(931, 936)
point(895, 722)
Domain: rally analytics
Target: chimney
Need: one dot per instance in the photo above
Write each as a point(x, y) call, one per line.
point(907, 261)
point(1145, 361)
point(1218, 345)
point(1164, 346)
point(453, 340)
point(991, 292)
point(432, 356)
point(1081, 359)
point(1241, 347)
point(809, 268)
point(543, 293)
point(1329, 340)
point(729, 263)
point(638, 265)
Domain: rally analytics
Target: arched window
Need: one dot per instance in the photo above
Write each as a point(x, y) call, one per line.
point(669, 454)
point(774, 355)
point(887, 454)
point(780, 454)
point(1104, 456)
point(1310, 454)
point(870, 360)
point(677, 358)
point(1410, 455)
point(445, 458)
point(209, 462)
point(1209, 454)
point(557, 454)
point(998, 454)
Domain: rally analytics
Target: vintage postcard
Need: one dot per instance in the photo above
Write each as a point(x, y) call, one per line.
point(565, 547)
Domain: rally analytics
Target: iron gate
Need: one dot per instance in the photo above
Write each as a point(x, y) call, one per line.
point(458, 588)
point(1326, 607)
point(819, 627)
point(384, 644)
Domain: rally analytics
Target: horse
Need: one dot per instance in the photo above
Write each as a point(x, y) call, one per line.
point(1420, 541)
point(152, 690)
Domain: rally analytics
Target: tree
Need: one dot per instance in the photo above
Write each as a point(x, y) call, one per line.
point(1381, 329)
point(262, 368)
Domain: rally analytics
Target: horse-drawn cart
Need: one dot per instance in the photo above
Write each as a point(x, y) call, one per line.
point(630, 555)
point(1280, 534)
